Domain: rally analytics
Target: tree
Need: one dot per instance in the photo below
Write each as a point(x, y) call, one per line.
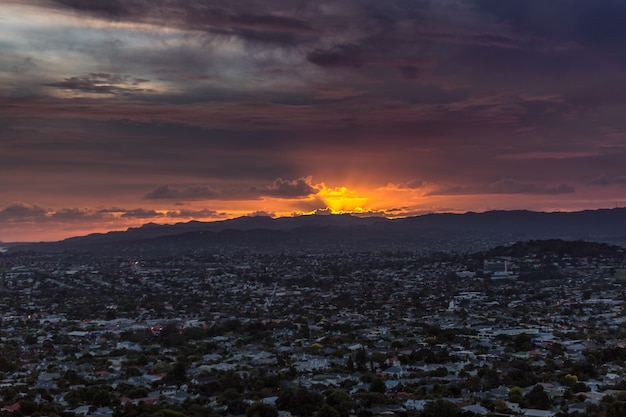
point(177, 374)
point(616, 409)
point(523, 342)
point(27, 407)
point(137, 392)
point(440, 408)
point(259, 409)
point(499, 406)
point(341, 402)
point(538, 398)
point(167, 412)
point(516, 395)
point(327, 411)
point(360, 359)
point(299, 402)
point(233, 401)
point(378, 385)
point(569, 380)
point(237, 406)
point(338, 397)
point(170, 336)
point(9, 394)
point(580, 387)
point(101, 398)
point(350, 364)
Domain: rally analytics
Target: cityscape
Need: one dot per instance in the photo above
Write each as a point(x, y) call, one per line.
point(536, 328)
point(312, 208)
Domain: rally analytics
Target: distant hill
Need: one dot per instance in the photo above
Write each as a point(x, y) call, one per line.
point(558, 248)
point(324, 233)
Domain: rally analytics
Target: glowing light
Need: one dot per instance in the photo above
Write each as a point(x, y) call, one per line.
point(342, 200)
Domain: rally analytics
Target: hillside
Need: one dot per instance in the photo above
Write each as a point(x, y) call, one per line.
point(324, 233)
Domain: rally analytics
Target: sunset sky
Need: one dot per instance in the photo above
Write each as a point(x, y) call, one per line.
point(116, 113)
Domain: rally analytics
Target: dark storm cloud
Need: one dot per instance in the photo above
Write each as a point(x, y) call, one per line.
point(242, 93)
point(190, 214)
point(141, 213)
point(107, 8)
point(262, 28)
point(343, 55)
point(198, 192)
point(288, 189)
point(261, 214)
point(102, 83)
point(22, 212)
point(259, 25)
point(505, 186)
point(297, 188)
point(75, 214)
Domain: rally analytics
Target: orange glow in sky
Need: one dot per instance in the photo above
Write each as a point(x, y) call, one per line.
point(116, 114)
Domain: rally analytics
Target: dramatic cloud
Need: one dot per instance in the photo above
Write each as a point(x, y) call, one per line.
point(109, 8)
point(194, 214)
point(104, 103)
point(196, 192)
point(102, 83)
point(32, 213)
point(337, 56)
point(75, 214)
point(288, 189)
point(141, 214)
point(198, 15)
point(261, 214)
point(22, 212)
point(297, 188)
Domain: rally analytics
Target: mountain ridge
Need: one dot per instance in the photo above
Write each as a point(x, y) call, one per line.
point(349, 232)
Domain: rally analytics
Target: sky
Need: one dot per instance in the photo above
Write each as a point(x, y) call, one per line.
point(117, 113)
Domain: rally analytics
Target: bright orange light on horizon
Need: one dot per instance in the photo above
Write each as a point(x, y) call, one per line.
point(342, 200)
point(392, 201)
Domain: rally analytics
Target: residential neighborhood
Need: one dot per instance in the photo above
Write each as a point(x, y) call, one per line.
point(535, 329)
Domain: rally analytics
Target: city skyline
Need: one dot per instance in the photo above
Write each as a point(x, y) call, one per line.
point(114, 114)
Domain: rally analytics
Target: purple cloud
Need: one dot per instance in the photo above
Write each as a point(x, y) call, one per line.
point(191, 214)
point(102, 83)
point(196, 192)
point(22, 212)
point(298, 188)
point(343, 55)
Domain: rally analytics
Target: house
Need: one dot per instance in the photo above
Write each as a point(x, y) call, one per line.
point(532, 412)
point(578, 407)
point(476, 409)
point(12, 407)
point(82, 410)
point(417, 405)
point(393, 372)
